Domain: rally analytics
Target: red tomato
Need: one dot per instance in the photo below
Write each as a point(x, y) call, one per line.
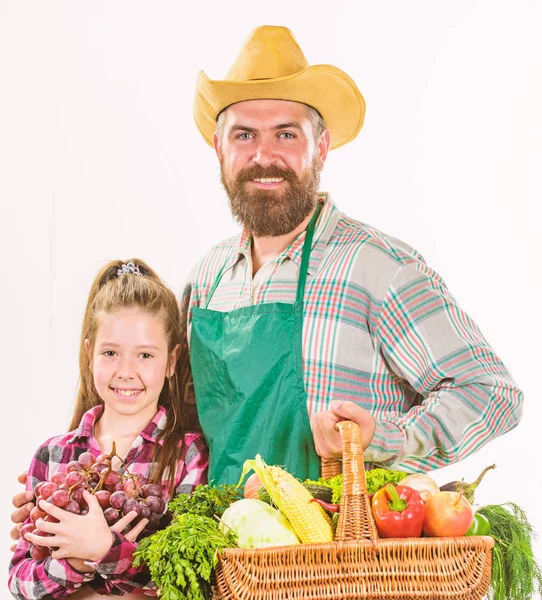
point(447, 514)
point(252, 486)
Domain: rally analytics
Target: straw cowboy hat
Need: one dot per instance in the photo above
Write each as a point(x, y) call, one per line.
point(271, 65)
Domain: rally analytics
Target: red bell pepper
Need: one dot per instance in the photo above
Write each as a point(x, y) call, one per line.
point(398, 511)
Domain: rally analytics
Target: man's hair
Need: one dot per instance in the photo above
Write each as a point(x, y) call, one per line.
point(318, 125)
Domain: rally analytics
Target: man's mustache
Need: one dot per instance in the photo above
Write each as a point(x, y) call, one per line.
point(257, 172)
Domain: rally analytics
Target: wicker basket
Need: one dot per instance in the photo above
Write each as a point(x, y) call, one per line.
point(358, 564)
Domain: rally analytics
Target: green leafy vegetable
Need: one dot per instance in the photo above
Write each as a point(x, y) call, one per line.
point(378, 478)
point(375, 479)
point(181, 557)
point(515, 574)
point(208, 500)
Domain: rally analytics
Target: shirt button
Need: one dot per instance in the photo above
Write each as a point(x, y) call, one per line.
point(76, 585)
point(104, 576)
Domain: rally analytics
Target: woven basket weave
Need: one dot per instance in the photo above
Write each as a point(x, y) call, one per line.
point(357, 564)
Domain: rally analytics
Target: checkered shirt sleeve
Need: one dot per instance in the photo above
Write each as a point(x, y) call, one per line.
point(465, 396)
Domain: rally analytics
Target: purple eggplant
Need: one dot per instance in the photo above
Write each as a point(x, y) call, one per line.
point(464, 488)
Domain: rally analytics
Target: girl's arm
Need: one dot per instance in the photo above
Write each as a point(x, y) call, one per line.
point(76, 541)
point(31, 579)
point(77, 538)
point(116, 571)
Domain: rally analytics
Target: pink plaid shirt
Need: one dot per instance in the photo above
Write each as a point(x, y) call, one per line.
point(50, 578)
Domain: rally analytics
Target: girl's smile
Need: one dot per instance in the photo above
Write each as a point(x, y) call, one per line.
point(127, 394)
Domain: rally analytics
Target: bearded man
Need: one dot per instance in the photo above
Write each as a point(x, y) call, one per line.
point(308, 316)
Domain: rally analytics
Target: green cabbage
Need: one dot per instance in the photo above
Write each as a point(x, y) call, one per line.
point(257, 524)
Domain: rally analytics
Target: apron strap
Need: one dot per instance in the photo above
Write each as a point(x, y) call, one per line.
point(305, 257)
point(215, 285)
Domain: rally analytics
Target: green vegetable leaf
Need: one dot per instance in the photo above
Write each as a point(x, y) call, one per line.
point(181, 557)
point(375, 479)
point(208, 500)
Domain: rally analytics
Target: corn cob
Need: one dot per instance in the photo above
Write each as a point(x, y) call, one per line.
point(308, 519)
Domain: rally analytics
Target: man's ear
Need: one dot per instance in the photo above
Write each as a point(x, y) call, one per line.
point(88, 350)
point(323, 145)
point(173, 358)
point(216, 144)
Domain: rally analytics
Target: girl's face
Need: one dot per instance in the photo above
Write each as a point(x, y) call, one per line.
point(130, 361)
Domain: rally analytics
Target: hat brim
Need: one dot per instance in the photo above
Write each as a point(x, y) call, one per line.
point(324, 87)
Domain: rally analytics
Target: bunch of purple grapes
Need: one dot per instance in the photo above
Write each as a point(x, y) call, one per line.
point(117, 494)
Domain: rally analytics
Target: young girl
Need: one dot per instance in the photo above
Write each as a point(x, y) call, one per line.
point(129, 394)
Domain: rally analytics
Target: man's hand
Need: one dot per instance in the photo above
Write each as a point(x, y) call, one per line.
point(86, 537)
point(23, 503)
point(327, 439)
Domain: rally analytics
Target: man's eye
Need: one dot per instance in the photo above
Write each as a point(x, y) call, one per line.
point(287, 135)
point(244, 136)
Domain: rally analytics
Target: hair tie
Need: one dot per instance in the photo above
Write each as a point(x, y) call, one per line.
point(129, 268)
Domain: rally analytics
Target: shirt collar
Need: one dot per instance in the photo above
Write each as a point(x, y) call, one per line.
point(325, 226)
point(151, 432)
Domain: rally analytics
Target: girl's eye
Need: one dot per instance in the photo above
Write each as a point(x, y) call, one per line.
point(146, 355)
point(109, 353)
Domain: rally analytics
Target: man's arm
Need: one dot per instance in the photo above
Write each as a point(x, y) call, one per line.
point(23, 503)
point(467, 397)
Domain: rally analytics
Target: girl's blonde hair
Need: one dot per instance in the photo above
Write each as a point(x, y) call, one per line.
point(111, 292)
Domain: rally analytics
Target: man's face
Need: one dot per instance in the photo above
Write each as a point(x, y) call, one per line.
point(270, 164)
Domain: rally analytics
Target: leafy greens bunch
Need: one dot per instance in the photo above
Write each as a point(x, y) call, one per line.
point(182, 556)
point(515, 574)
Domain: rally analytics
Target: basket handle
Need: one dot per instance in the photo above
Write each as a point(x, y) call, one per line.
point(355, 518)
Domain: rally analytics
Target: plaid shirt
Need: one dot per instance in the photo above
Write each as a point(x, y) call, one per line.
point(380, 329)
point(50, 578)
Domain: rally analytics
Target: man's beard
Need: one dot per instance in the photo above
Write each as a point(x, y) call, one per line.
point(270, 213)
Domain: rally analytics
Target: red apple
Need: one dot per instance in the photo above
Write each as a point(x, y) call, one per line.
point(253, 484)
point(447, 514)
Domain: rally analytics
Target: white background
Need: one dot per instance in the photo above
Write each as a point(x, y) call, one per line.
point(100, 159)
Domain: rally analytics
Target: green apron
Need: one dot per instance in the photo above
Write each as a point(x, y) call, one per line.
point(248, 381)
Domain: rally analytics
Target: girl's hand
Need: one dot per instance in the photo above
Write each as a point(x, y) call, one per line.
point(81, 566)
point(87, 537)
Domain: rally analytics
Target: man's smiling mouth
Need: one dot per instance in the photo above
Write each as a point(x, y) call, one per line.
point(269, 180)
